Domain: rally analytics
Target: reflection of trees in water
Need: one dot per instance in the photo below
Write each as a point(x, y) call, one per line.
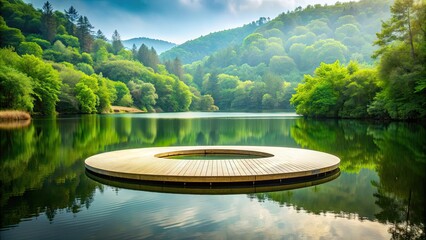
point(42, 171)
point(43, 168)
point(395, 151)
point(399, 212)
point(340, 196)
point(349, 140)
point(402, 171)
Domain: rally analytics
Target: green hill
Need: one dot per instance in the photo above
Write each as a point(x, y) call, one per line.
point(269, 62)
point(197, 49)
point(55, 62)
point(303, 39)
point(159, 45)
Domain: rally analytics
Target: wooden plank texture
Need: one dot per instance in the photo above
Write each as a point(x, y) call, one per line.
point(269, 163)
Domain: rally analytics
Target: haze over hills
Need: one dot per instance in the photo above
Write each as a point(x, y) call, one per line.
point(159, 45)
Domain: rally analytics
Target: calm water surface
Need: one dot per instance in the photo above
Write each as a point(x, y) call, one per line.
point(46, 193)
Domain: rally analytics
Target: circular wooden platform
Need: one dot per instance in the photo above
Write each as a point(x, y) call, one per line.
point(271, 163)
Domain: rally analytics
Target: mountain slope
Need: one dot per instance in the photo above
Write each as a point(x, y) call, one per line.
point(302, 39)
point(159, 45)
point(262, 71)
point(196, 49)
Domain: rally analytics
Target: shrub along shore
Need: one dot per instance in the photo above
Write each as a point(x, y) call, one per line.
point(14, 115)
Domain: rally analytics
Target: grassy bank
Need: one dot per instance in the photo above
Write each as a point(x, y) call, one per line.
point(13, 115)
point(119, 109)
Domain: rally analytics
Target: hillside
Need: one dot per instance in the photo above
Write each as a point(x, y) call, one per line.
point(197, 49)
point(273, 59)
point(160, 46)
point(54, 62)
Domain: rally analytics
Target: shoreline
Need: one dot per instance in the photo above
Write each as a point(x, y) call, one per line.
point(13, 115)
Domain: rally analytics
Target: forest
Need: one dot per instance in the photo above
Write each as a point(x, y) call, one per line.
point(361, 59)
point(54, 61)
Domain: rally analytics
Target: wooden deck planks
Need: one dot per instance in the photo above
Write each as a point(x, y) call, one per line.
point(142, 164)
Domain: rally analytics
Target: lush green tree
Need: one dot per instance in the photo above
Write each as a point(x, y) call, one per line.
point(99, 43)
point(46, 83)
point(86, 98)
point(182, 96)
point(346, 19)
point(21, 15)
point(307, 39)
point(9, 36)
point(101, 55)
point(41, 42)
point(143, 55)
point(252, 38)
point(60, 53)
point(60, 30)
point(84, 33)
point(49, 22)
point(267, 101)
point(124, 54)
point(360, 90)
point(337, 91)
point(241, 99)
point(198, 76)
point(347, 30)
point(134, 51)
point(203, 103)
point(175, 67)
point(86, 58)
point(154, 60)
point(122, 70)
point(400, 27)
point(31, 48)
point(72, 16)
point(86, 68)
point(102, 88)
point(123, 95)
point(117, 45)
point(207, 104)
point(196, 99)
point(330, 50)
point(319, 27)
point(68, 40)
point(211, 85)
point(100, 35)
point(106, 94)
point(15, 90)
point(143, 94)
point(282, 65)
point(68, 102)
point(225, 90)
point(402, 62)
point(318, 95)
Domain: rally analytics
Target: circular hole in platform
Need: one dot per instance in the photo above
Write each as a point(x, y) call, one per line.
point(213, 154)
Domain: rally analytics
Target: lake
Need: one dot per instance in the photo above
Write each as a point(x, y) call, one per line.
point(47, 194)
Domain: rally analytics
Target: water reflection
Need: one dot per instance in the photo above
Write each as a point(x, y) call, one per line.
point(215, 189)
point(382, 178)
point(7, 125)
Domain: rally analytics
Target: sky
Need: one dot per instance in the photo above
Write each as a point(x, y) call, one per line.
point(175, 21)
